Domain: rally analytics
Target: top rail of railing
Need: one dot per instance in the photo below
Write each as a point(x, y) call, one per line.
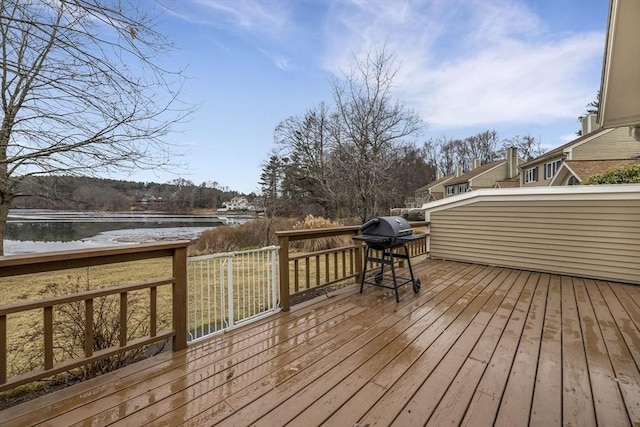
point(317, 233)
point(15, 265)
point(354, 269)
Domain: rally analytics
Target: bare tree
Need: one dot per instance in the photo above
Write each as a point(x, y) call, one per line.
point(82, 91)
point(417, 171)
point(448, 154)
point(528, 146)
point(441, 153)
point(483, 146)
point(371, 125)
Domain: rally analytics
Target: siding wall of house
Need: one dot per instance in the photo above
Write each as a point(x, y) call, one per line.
point(587, 231)
point(439, 188)
point(616, 144)
point(489, 178)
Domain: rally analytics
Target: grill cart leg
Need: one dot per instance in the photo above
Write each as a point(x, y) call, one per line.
point(393, 273)
point(364, 269)
point(416, 283)
point(380, 274)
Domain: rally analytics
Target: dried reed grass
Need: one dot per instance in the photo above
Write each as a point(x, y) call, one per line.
point(313, 245)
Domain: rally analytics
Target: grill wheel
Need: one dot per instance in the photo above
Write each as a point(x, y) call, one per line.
point(378, 278)
point(416, 286)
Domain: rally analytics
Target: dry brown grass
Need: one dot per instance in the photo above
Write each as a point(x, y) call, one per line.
point(32, 287)
point(250, 235)
point(39, 286)
point(313, 245)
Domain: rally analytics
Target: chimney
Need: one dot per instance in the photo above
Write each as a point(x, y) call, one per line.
point(589, 123)
point(477, 163)
point(438, 175)
point(458, 171)
point(512, 162)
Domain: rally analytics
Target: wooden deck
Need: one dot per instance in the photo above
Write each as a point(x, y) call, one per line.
point(477, 346)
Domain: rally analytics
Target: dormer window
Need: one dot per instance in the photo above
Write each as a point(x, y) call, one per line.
point(551, 168)
point(531, 175)
point(462, 188)
point(450, 190)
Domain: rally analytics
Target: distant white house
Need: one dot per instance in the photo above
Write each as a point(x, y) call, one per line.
point(238, 203)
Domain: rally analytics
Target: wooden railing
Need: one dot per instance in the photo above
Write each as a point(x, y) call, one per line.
point(298, 272)
point(33, 263)
point(314, 270)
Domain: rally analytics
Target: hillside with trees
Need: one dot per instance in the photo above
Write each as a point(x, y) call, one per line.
point(86, 193)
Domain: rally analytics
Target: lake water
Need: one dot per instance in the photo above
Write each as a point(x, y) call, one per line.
point(30, 231)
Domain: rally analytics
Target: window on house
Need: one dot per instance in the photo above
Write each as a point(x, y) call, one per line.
point(449, 191)
point(573, 181)
point(462, 188)
point(551, 168)
point(531, 175)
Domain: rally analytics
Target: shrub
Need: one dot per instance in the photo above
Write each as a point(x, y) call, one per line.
point(261, 232)
point(252, 234)
point(26, 350)
point(313, 245)
point(626, 175)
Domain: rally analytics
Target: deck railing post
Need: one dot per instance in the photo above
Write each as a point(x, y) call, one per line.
point(48, 337)
point(180, 298)
point(359, 259)
point(283, 242)
point(3, 349)
point(274, 277)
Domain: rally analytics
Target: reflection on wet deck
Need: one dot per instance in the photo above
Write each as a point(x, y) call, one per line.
point(478, 345)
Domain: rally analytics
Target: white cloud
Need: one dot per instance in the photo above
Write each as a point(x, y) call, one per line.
point(471, 62)
point(514, 82)
point(270, 18)
point(280, 61)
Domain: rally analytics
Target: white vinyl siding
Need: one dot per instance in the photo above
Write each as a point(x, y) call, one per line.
point(575, 230)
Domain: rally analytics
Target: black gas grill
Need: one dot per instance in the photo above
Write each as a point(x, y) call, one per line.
point(384, 236)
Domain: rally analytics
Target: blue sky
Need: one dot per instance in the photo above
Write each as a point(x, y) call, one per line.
point(516, 66)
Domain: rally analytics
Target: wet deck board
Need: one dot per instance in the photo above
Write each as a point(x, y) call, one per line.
point(478, 345)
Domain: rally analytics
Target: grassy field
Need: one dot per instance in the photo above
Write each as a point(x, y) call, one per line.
point(34, 286)
point(24, 344)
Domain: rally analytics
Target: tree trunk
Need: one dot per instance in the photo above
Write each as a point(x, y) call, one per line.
point(4, 213)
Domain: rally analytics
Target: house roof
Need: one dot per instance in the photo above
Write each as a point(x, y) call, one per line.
point(465, 177)
point(584, 169)
point(434, 183)
point(509, 183)
point(559, 150)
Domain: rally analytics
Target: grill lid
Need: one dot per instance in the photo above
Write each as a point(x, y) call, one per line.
point(387, 226)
